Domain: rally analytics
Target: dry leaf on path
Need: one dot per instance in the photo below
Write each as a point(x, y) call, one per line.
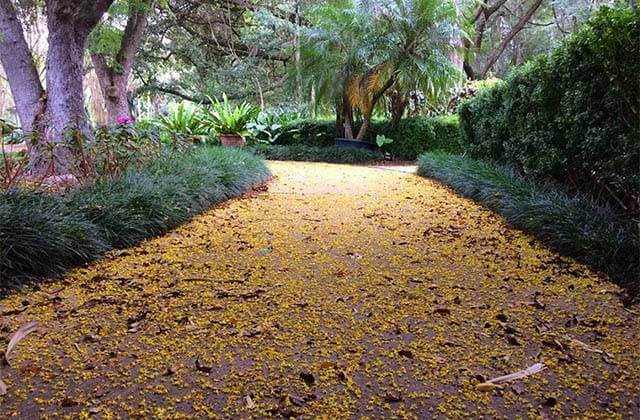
point(18, 336)
point(491, 384)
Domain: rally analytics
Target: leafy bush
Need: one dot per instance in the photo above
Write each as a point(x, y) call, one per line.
point(319, 133)
point(412, 137)
point(116, 148)
point(43, 234)
point(572, 115)
point(223, 118)
point(268, 127)
point(301, 152)
point(572, 224)
point(468, 90)
point(183, 122)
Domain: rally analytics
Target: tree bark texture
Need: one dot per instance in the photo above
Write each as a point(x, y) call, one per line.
point(19, 67)
point(114, 79)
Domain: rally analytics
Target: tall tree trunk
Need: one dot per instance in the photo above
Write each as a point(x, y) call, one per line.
point(65, 124)
point(65, 118)
point(347, 114)
point(114, 89)
point(18, 65)
point(483, 12)
point(114, 79)
point(398, 105)
point(366, 123)
point(339, 119)
point(375, 97)
point(298, 50)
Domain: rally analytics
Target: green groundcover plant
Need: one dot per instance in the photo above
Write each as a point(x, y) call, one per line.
point(44, 234)
point(571, 223)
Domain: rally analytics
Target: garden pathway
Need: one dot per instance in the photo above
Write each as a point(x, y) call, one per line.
point(336, 291)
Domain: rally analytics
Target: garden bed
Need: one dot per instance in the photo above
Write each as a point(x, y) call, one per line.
point(44, 234)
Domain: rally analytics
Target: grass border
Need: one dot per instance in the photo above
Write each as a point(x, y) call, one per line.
point(45, 234)
point(571, 224)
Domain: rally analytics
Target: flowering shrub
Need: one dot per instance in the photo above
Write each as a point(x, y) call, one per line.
point(125, 120)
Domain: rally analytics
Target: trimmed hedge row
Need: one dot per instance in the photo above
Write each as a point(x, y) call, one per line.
point(573, 115)
point(43, 234)
point(301, 152)
point(572, 224)
point(412, 137)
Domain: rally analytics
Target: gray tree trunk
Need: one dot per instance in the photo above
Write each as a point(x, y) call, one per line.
point(63, 126)
point(495, 55)
point(65, 118)
point(18, 65)
point(114, 89)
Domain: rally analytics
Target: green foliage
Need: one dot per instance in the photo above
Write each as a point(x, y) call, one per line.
point(357, 46)
point(43, 234)
point(382, 140)
point(268, 127)
point(412, 137)
point(224, 118)
point(116, 148)
point(183, 122)
point(468, 90)
point(573, 224)
point(301, 152)
point(572, 115)
point(320, 133)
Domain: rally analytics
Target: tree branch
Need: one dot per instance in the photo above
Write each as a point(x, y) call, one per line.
point(512, 33)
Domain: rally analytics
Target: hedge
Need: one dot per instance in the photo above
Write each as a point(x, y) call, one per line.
point(573, 115)
point(412, 137)
point(301, 152)
point(44, 234)
point(570, 223)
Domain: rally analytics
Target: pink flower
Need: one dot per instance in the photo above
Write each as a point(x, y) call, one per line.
point(125, 120)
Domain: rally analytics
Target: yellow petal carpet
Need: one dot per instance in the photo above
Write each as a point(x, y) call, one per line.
point(340, 291)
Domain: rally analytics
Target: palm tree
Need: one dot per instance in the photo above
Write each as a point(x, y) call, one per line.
point(362, 49)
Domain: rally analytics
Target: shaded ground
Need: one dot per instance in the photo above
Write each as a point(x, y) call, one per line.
point(342, 291)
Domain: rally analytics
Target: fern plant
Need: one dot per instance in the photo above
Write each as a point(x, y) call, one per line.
point(183, 122)
point(223, 118)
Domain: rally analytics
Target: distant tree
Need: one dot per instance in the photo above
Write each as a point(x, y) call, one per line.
point(113, 53)
point(360, 50)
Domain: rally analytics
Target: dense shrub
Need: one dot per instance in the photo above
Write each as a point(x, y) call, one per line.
point(43, 234)
point(573, 115)
point(412, 137)
point(301, 152)
point(571, 223)
point(319, 133)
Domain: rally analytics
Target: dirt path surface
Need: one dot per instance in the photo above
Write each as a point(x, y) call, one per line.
point(340, 292)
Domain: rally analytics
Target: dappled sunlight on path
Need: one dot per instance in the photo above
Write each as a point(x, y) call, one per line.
point(342, 290)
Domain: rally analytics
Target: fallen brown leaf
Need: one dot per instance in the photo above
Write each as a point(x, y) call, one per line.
point(18, 336)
